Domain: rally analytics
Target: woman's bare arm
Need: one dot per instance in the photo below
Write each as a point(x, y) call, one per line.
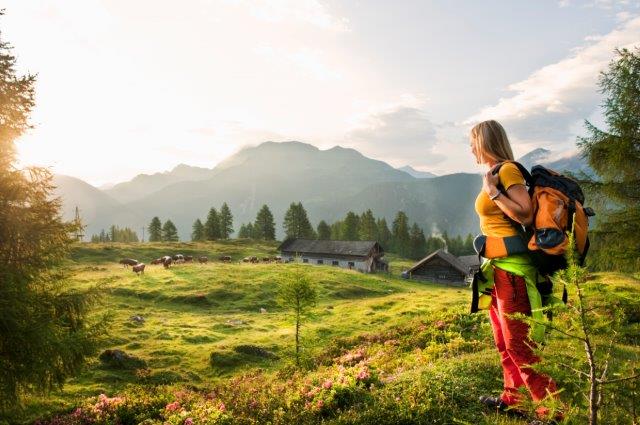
point(516, 203)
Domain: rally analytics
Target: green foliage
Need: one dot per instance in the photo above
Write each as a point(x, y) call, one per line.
point(324, 231)
point(298, 293)
point(384, 234)
point(155, 230)
point(169, 232)
point(197, 232)
point(614, 155)
point(246, 231)
point(226, 221)
point(367, 228)
point(212, 225)
point(116, 235)
point(264, 227)
point(400, 235)
point(296, 223)
point(418, 243)
point(350, 227)
point(45, 336)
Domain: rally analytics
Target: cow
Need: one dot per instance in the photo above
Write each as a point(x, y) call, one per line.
point(277, 259)
point(138, 268)
point(266, 259)
point(203, 259)
point(188, 258)
point(178, 258)
point(126, 262)
point(157, 261)
point(225, 258)
point(166, 261)
point(252, 259)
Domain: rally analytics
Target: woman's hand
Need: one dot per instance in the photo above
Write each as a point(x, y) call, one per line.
point(490, 182)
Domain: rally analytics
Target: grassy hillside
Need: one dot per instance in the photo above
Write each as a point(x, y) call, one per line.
point(377, 349)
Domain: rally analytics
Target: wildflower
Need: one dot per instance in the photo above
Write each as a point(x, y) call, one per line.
point(188, 421)
point(222, 407)
point(441, 324)
point(320, 404)
point(172, 407)
point(327, 384)
point(363, 374)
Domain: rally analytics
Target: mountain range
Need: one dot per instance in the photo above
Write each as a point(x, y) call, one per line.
point(329, 183)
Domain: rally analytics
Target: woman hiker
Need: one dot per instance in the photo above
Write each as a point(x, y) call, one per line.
point(510, 285)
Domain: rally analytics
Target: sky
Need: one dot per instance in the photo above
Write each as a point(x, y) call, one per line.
point(138, 86)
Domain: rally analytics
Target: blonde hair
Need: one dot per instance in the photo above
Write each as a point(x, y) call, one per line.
point(491, 141)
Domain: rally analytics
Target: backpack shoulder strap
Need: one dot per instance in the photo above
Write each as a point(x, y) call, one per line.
point(525, 174)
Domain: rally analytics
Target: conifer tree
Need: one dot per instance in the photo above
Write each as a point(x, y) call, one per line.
point(226, 221)
point(434, 243)
point(418, 242)
point(614, 155)
point(264, 226)
point(169, 232)
point(350, 227)
point(336, 230)
point(324, 231)
point(45, 333)
point(296, 223)
point(212, 225)
point(384, 234)
point(468, 245)
point(155, 230)
point(400, 234)
point(367, 229)
point(197, 233)
point(242, 232)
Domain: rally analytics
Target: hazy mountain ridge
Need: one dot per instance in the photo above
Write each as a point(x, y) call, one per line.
point(417, 174)
point(328, 182)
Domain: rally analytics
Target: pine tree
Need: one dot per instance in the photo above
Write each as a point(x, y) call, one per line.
point(226, 221)
point(197, 233)
point(324, 231)
point(212, 225)
point(468, 245)
point(350, 227)
point(400, 234)
point(418, 242)
point(384, 234)
point(434, 243)
point(242, 232)
point(367, 229)
point(336, 230)
point(45, 336)
point(264, 226)
point(614, 155)
point(169, 232)
point(155, 230)
point(296, 223)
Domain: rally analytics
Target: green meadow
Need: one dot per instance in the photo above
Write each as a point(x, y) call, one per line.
point(403, 351)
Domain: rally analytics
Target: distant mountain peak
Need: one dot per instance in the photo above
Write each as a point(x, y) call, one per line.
point(417, 174)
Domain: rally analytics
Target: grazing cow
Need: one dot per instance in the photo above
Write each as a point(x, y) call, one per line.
point(266, 259)
point(188, 258)
point(156, 261)
point(126, 262)
point(277, 259)
point(225, 258)
point(250, 260)
point(138, 268)
point(203, 259)
point(178, 258)
point(166, 261)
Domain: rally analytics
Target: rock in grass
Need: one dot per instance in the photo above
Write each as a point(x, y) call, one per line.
point(118, 359)
point(137, 319)
point(254, 350)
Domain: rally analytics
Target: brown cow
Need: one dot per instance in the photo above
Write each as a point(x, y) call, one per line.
point(138, 268)
point(188, 258)
point(225, 258)
point(126, 262)
point(156, 261)
point(203, 259)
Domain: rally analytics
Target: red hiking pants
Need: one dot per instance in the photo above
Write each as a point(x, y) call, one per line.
point(509, 296)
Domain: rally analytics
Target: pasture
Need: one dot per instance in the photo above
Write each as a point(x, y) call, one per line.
point(218, 325)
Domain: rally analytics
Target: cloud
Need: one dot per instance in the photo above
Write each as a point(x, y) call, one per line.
point(310, 61)
point(398, 134)
point(307, 12)
point(548, 103)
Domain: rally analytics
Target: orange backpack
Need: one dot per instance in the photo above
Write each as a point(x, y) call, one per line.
point(557, 201)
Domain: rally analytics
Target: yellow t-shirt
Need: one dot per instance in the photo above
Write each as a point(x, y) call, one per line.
point(492, 220)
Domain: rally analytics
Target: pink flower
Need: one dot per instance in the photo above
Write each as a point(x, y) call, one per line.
point(172, 407)
point(327, 384)
point(440, 324)
point(320, 404)
point(363, 374)
point(188, 421)
point(222, 407)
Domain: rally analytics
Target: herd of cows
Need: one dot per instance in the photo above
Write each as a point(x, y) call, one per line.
point(167, 260)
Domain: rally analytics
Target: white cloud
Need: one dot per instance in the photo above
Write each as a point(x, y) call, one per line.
point(399, 133)
point(306, 12)
point(310, 61)
point(552, 99)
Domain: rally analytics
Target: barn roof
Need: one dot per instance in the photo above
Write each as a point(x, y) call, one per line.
point(311, 246)
point(469, 260)
point(449, 258)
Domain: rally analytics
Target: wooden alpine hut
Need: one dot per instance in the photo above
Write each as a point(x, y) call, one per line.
point(365, 256)
point(443, 267)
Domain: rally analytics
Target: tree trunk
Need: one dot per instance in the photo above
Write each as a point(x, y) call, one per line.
point(593, 381)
